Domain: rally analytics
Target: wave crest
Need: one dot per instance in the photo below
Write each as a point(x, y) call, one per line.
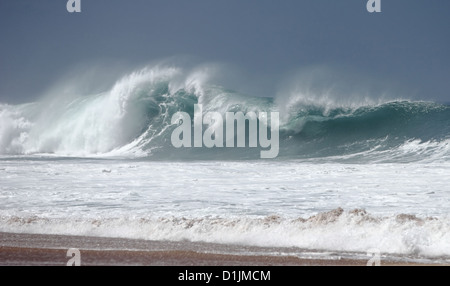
point(133, 119)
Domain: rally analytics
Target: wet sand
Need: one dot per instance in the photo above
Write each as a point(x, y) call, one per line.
point(51, 250)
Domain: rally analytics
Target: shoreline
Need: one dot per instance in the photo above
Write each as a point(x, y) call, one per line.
point(51, 250)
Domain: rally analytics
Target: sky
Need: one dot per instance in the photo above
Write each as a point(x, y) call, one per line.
point(404, 48)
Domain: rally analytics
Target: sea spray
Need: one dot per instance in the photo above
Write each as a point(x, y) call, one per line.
point(134, 119)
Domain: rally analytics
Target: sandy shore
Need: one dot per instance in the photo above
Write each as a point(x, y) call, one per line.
point(36, 249)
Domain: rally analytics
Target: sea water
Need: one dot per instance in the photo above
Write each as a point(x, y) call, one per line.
point(348, 177)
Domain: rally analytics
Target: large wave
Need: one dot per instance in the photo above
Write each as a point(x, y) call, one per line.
point(133, 119)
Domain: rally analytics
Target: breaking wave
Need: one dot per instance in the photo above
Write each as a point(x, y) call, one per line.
point(133, 119)
point(336, 230)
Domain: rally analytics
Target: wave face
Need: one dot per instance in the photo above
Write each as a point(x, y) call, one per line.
point(133, 119)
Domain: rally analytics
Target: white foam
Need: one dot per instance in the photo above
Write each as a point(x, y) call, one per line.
point(82, 125)
point(253, 203)
point(14, 129)
point(354, 231)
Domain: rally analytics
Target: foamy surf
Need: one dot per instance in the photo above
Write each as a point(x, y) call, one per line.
point(400, 209)
point(337, 231)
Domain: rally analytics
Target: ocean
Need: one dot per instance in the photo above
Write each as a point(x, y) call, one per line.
point(350, 177)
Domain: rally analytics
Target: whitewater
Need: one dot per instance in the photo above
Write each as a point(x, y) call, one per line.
point(350, 175)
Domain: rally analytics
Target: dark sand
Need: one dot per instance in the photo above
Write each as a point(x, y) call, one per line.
point(36, 249)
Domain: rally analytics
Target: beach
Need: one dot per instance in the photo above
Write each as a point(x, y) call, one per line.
point(51, 250)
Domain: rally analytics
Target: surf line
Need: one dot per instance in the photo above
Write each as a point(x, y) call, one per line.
point(214, 135)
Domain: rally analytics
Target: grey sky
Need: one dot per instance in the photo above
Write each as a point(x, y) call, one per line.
point(406, 45)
